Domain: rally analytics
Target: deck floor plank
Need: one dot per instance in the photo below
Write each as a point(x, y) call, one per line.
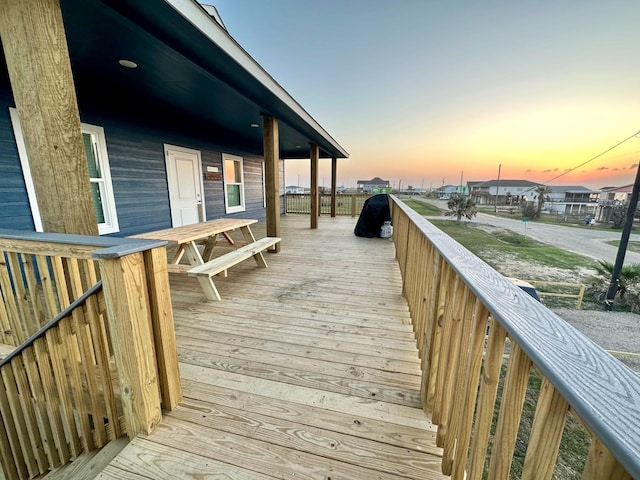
point(307, 369)
point(340, 365)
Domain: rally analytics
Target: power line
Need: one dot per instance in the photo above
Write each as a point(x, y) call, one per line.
point(593, 158)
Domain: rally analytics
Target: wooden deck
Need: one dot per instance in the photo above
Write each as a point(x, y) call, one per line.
point(305, 370)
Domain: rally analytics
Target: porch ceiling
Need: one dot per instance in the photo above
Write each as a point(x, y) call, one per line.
point(182, 72)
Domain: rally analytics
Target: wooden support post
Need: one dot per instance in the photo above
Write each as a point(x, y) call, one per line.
point(37, 57)
point(334, 180)
point(315, 154)
point(164, 335)
point(125, 291)
point(272, 183)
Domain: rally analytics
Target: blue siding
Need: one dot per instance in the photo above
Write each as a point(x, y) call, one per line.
point(138, 173)
point(14, 204)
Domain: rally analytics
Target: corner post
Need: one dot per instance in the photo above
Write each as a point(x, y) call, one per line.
point(334, 180)
point(314, 211)
point(129, 318)
point(271, 169)
point(163, 329)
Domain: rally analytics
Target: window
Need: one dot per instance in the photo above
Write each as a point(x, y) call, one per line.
point(233, 183)
point(95, 147)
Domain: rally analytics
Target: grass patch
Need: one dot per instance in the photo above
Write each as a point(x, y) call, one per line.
point(485, 246)
point(574, 221)
point(423, 208)
point(633, 246)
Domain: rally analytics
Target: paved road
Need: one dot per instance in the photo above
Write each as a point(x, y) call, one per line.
point(585, 241)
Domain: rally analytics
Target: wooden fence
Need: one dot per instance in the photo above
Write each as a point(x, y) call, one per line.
point(346, 204)
point(455, 299)
point(560, 290)
point(97, 356)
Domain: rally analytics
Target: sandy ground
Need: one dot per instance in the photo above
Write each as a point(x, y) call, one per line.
point(613, 331)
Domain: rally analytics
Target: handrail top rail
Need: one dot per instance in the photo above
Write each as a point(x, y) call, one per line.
point(52, 323)
point(602, 390)
point(107, 247)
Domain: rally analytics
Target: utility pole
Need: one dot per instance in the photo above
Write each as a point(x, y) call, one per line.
point(495, 209)
point(624, 241)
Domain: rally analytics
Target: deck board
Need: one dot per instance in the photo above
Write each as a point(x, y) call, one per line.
point(307, 369)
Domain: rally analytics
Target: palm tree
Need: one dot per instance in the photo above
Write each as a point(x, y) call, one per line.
point(626, 296)
point(460, 206)
point(542, 194)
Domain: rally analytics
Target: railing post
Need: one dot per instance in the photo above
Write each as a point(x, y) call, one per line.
point(155, 263)
point(129, 317)
point(353, 205)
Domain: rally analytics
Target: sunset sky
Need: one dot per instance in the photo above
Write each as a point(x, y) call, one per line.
point(424, 91)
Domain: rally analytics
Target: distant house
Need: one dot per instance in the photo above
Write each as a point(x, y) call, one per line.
point(610, 198)
point(615, 195)
point(293, 189)
point(445, 191)
point(571, 200)
point(366, 186)
point(506, 192)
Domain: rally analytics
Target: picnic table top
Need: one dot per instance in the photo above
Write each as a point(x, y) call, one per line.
point(197, 231)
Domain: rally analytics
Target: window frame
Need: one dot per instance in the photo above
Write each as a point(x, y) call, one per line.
point(109, 210)
point(233, 208)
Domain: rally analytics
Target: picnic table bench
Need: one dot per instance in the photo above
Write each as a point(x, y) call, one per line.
point(204, 266)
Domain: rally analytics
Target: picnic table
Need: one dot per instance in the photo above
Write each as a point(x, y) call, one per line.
point(204, 265)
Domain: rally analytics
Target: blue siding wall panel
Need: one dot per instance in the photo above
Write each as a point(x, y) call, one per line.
point(14, 203)
point(138, 173)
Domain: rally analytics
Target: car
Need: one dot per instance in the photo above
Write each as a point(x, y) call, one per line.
point(526, 287)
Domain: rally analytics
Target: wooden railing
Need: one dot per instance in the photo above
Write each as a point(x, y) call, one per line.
point(105, 367)
point(346, 203)
point(455, 299)
point(58, 392)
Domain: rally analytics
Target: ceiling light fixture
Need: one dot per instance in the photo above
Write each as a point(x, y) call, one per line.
point(128, 63)
point(255, 125)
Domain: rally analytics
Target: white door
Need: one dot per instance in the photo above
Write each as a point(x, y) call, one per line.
point(184, 176)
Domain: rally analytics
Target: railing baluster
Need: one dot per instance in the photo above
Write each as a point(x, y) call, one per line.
point(601, 465)
point(20, 420)
point(88, 370)
point(32, 292)
point(546, 433)
point(15, 462)
point(50, 393)
point(58, 352)
point(430, 372)
point(50, 302)
point(448, 362)
point(513, 394)
point(469, 394)
point(486, 399)
point(455, 392)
